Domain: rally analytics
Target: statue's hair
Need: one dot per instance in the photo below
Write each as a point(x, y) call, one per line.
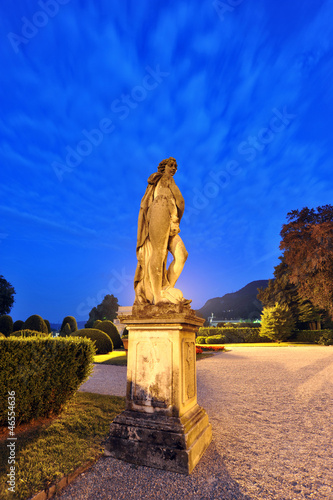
point(163, 163)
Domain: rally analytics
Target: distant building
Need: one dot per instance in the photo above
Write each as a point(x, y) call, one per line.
point(116, 322)
point(213, 321)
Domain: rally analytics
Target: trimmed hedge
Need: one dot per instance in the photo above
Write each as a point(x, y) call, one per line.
point(311, 336)
point(111, 330)
point(18, 325)
point(240, 324)
point(102, 341)
point(231, 335)
point(29, 333)
point(35, 323)
point(6, 325)
point(314, 336)
point(326, 338)
point(42, 373)
point(71, 321)
point(215, 339)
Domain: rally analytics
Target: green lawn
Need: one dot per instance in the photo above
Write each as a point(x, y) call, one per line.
point(46, 453)
point(113, 358)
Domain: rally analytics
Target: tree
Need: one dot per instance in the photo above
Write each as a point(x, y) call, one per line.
point(7, 293)
point(307, 241)
point(106, 310)
point(6, 325)
point(277, 322)
point(282, 290)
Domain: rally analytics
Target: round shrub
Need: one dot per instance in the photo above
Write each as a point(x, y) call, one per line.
point(65, 331)
point(111, 330)
point(6, 325)
point(102, 341)
point(29, 333)
point(200, 340)
point(2, 336)
point(35, 323)
point(18, 325)
point(48, 326)
point(71, 321)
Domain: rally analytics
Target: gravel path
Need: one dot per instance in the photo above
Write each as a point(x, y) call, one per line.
point(272, 415)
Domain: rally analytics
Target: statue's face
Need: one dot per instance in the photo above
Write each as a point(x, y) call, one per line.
point(171, 167)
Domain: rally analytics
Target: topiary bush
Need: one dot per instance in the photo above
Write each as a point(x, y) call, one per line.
point(111, 330)
point(66, 331)
point(35, 323)
point(42, 374)
point(48, 326)
point(18, 325)
point(71, 321)
point(6, 325)
point(2, 336)
point(200, 340)
point(102, 341)
point(29, 333)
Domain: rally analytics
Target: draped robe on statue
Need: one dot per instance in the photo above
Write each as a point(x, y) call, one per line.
point(142, 282)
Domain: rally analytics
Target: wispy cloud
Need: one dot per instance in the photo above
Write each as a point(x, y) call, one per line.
point(224, 80)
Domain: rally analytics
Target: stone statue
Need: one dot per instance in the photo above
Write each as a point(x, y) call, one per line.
point(162, 207)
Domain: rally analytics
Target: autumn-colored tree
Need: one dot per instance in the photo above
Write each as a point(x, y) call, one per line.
point(307, 241)
point(281, 290)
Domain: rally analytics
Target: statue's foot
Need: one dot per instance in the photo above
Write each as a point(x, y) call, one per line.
point(186, 302)
point(172, 296)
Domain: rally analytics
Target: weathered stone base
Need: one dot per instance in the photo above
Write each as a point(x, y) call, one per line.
point(164, 442)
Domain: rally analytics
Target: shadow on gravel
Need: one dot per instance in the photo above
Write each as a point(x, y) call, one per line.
point(218, 482)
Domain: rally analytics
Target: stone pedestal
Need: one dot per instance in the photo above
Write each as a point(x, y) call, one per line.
point(162, 426)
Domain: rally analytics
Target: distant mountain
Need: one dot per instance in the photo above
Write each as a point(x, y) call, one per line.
point(238, 305)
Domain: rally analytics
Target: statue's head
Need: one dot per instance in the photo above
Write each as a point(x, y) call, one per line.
point(164, 163)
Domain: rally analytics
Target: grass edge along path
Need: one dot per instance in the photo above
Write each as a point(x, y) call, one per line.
point(118, 358)
point(47, 453)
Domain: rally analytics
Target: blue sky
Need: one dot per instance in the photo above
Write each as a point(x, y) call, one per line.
point(95, 94)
